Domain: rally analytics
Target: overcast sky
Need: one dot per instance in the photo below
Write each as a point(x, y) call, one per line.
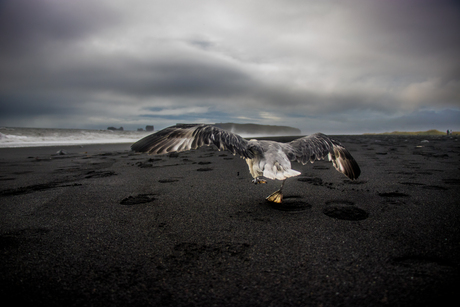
point(345, 66)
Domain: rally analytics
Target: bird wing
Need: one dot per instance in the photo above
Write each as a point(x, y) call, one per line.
point(319, 146)
point(184, 137)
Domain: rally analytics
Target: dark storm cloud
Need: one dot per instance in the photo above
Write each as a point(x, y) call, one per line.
point(341, 64)
point(37, 39)
point(418, 27)
point(420, 32)
point(40, 51)
point(26, 25)
point(144, 78)
point(175, 78)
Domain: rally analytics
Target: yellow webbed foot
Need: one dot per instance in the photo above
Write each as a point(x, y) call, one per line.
point(276, 197)
point(258, 181)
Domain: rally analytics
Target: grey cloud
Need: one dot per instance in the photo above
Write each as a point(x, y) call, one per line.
point(26, 25)
point(418, 27)
point(310, 63)
point(142, 78)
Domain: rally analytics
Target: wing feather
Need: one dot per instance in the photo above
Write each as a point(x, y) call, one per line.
point(319, 146)
point(184, 137)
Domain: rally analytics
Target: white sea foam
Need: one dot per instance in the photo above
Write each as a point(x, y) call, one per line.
point(34, 137)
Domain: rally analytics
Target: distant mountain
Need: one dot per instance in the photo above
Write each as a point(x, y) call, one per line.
point(258, 130)
point(428, 132)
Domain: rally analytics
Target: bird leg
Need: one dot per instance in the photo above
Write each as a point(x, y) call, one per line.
point(257, 180)
point(277, 196)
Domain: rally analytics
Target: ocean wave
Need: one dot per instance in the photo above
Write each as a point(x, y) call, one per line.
point(35, 137)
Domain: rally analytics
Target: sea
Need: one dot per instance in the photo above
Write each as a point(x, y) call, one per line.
point(37, 137)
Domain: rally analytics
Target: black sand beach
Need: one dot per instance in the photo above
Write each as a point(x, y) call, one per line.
point(102, 226)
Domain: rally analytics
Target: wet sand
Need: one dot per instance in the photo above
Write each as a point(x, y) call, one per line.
point(102, 226)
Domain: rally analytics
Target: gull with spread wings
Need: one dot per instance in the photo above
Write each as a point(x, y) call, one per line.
point(269, 159)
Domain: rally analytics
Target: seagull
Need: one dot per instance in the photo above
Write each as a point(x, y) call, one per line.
point(268, 159)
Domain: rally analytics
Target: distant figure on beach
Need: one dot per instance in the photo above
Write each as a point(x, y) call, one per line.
point(269, 159)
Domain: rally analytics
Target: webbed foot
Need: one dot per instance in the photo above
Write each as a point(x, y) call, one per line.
point(276, 197)
point(257, 181)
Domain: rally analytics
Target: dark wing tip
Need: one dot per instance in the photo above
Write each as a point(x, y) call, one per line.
point(317, 146)
point(345, 163)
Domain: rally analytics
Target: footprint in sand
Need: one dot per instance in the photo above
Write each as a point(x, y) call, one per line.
point(204, 169)
point(167, 180)
point(312, 180)
point(139, 199)
point(393, 194)
point(102, 174)
point(344, 210)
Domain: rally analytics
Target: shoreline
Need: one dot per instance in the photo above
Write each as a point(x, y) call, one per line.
point(279, 138)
